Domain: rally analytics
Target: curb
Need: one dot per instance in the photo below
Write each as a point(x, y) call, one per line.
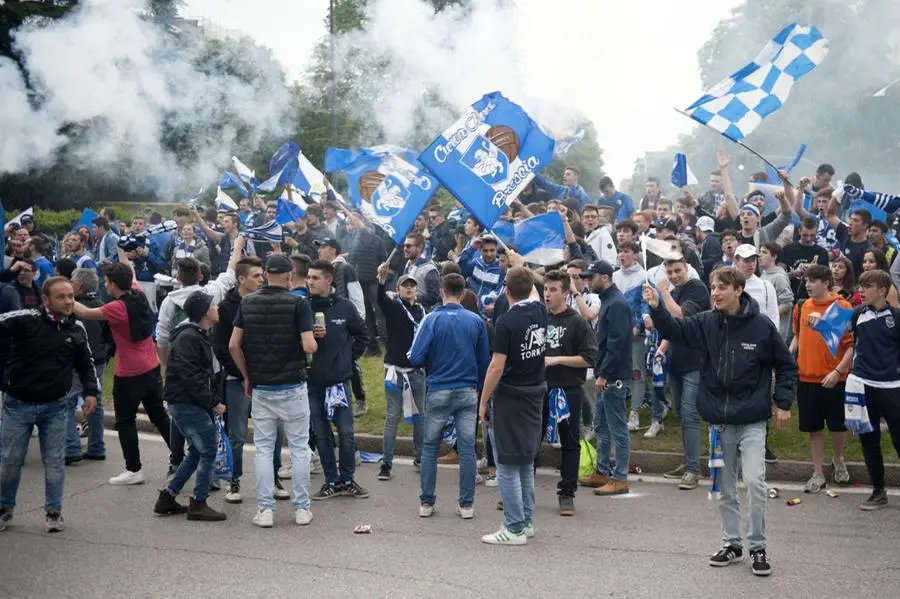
point(650, 462)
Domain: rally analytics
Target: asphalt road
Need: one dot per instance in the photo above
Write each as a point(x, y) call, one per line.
point(653, 542)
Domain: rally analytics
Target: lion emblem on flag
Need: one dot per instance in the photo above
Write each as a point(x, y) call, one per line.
point(486, 161)
point(390, 197)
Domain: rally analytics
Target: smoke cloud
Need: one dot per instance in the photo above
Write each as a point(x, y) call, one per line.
point(112, 94)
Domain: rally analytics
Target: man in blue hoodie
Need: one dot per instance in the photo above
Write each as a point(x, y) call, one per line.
point(452, 344)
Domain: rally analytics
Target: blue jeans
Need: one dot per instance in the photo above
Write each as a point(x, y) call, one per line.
point(462, 404)
point(96, 445)
point(196, 424)
point(343, 421)
point(748, 440)
point(236, 418)
point(290, 408)
point(516, 485)
point(394, 414)
point(611, 424)
point(19, 418)
point(685, 387)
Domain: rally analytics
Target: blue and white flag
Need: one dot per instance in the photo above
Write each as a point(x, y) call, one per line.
point(563, 144)
point(489, 156)
point(883, 202)
point(290, 210)
point(856, 414)
point(86, 220)
point(224, 201)
point(772, 184)
point(269, 232)
point(386, 184)
point(716, 460)
point(228, 180)
point(541, 239)
point(196, 197)
point(558, 411)
point(246, 175)
point(833, 324)
point(505, 231)
point(739, 103)
point(681, 173)
point(167, 226)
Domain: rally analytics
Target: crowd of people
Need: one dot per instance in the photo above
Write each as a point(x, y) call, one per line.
point(470, 333)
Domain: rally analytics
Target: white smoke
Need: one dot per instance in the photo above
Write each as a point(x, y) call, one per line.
point(128, 90)
point(454, 56)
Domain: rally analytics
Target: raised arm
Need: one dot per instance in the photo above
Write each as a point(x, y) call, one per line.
point(731, 206)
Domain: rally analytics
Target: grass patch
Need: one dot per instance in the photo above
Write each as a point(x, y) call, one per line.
point(789, 444)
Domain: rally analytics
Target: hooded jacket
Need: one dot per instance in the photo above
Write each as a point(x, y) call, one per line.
point(345, 340)
point(739, 353)
point(44, 353)
point(174, 303)
point(190, 369)
point(613, 337)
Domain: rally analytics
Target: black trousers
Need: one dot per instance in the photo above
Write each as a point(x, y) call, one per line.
point(356, 382)
point(881, 403)
point(129, 393)
point(374, 319)
point(569, 432)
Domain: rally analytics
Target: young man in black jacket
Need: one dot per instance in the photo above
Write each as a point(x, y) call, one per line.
point(571, 350)
point(48, 344)
point(85, 283)
point(192, 402)
point(684, 296)
point(612, 374)
point(740, 349)
point(341, 340)
point(271, 337)
point(513, 394)
point(402, 314)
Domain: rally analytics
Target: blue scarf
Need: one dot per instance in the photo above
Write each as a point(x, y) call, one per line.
point(856, 415)
point(716, 460)
point(559, 411)
point(335, 397)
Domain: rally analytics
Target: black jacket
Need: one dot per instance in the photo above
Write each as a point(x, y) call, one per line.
point(710, 255)
point(344, 341)
point(367, 254)
point(739, 354)
point(613, 337)
point(9, 302)
point(221, 333)
point(442, 240)
point(43, 355)
point(400, 329)
point(190, 368)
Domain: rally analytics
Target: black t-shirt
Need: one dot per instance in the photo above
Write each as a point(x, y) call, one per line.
point(693, 298)
point(854, 251)
point(568, 334)
point(796, 255)
point(520, 336)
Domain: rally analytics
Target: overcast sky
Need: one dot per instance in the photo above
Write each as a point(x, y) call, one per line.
point(624, 65)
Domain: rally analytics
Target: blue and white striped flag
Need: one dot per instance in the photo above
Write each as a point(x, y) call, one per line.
point(541, 239)
point(681, 172)
point(386, 183)
point(739, 103)
point(489, 156)
point(884, 202)
point(246, 175)
point(224, 201)
point(291, 207)
point(270, 232)
point(289, 165)
point(563, 144)
point(228, 180)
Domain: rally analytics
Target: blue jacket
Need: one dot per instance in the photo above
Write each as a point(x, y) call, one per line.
point(561, 192)
point(486, 280)
point(622, 205)
point(45, 270)
point(613, 337)
point(452, 345)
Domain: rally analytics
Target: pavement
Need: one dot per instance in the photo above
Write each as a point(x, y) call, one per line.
point(653, 542)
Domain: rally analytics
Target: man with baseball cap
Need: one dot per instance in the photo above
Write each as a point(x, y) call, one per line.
point(273, 332)
point(746, 257)
point(710, 246)
point(611, 373)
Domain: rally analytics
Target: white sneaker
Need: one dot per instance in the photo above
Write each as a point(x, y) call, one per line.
point(479, 479)
point(491, 480)
point(284, 473)
point(634, 423)
point(426, 510)
point(655, 429)
point(233, 494)
point(529, 530)
point(302, 517)
point(466, 513)
point(358, 458)
point(315, 463)
point(504, 537)
point(588, 433)
point(128, 478)
point(264, 518)
point(481, 466)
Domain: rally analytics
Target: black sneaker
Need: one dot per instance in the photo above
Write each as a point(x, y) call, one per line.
point(6, 516)
point(73, 459)
point(54, 522)
point(417, 465)
point(771, 458)
point(167, 506)
point(385, 472)
point(726, 555)
point(95, 458)
point(327, 491)
point(759, 563)
point(352, 489)
point(876, 501)
point(566, 505)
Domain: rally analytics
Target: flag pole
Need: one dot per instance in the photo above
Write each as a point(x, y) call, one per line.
point(644, 256)
point(740, 143)
point(499, 241)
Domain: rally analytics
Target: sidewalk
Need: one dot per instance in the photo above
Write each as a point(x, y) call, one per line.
point(651, 462)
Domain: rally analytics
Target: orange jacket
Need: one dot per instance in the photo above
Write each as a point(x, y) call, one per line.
point(814, 359)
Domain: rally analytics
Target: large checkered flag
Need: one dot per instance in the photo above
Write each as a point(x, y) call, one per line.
point(738, 104)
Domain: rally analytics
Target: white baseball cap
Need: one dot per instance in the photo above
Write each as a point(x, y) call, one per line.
point(706, 224)
point(745, 250)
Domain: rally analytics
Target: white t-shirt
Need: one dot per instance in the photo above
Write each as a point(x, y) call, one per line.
point(764, 294)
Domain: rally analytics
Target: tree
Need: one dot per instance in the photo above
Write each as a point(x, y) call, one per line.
point(831, 110)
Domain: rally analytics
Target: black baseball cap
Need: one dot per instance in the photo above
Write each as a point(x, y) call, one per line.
point(279, 265)
point(328, 242)
point(670, 224)
point(601, 267)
